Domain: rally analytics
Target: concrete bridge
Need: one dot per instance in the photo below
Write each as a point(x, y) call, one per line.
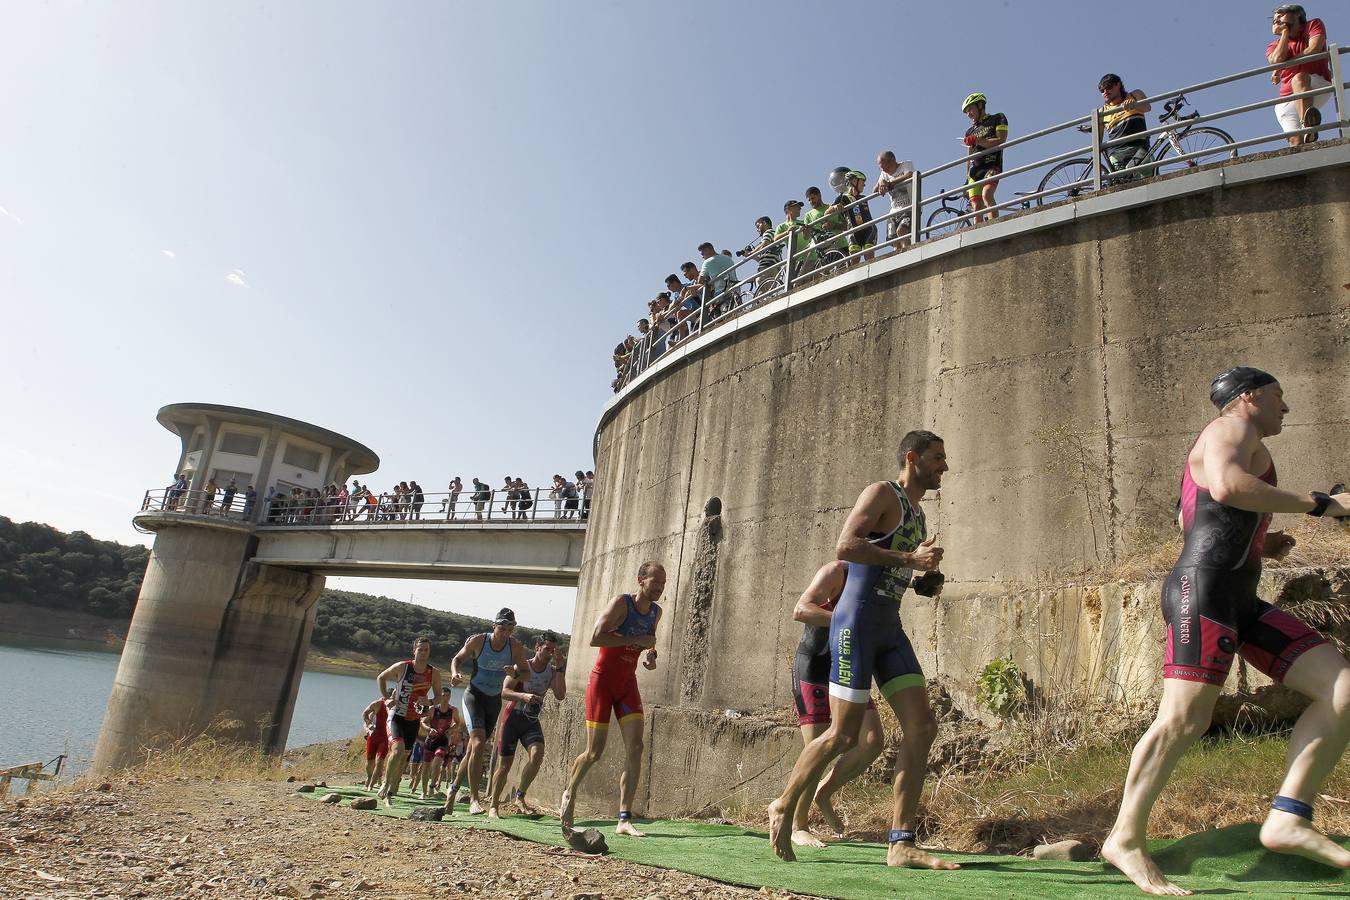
point(223, 621)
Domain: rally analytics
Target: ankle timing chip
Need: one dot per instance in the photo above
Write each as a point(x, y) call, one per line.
point(1290, 805)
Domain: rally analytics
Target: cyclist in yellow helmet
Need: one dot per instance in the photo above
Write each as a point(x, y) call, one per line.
point(987, 131)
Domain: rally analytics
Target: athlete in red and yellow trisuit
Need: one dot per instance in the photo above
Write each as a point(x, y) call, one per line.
point(626, 627)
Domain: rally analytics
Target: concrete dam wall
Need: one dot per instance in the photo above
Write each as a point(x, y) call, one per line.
point(1064, 356)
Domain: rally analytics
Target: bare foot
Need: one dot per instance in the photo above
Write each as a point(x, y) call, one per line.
point(826, 807)
point(476, 807)
point(911, 857)
point(803, 837)
point(1136, 865)
point(780, 834)
point(1287, 833)
point(566, 809)
point(626, 826)
point(526, 808)
point(493, 813)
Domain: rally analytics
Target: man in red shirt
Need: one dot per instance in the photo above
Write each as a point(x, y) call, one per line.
point(1296, 36)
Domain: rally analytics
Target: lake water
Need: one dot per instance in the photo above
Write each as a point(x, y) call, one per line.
point(54, 699)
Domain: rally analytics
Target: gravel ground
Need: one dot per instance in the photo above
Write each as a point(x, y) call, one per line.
point(180, 837)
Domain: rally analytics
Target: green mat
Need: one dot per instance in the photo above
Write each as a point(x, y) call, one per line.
point(1226, 861)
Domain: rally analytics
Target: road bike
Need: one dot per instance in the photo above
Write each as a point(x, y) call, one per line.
point(1158, 160)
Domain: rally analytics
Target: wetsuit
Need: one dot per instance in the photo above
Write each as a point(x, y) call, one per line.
point(811, 672)
point(1209, 599)
point(438, 742)
point(991, 161)
point(866, 639)
point(377, 742)
point(412, 689)
point(520, 724)
point(483, 699)
point(613, 686)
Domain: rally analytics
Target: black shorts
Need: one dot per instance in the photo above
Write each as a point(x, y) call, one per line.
point(980, 172)
point(518, 728)
point(810, 689)
point(481, 710)
point(1212, 615)
point(404, 730)
point(437, 742)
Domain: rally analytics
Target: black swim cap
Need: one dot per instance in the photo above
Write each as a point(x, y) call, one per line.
point(1228, 386)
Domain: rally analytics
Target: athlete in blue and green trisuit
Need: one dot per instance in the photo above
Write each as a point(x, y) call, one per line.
point(884, 541)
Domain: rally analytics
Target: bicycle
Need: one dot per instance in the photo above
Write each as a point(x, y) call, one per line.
point(951, 214)
point(1175, 142)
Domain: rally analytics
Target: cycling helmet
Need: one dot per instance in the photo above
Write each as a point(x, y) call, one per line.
point(839, 179)
point(976, 97)
point(856, 174)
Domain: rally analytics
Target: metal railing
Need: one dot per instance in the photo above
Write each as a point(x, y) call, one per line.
point(1173, 147)
point(464, 507)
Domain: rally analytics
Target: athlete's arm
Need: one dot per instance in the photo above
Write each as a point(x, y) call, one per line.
point(368, 716)
point(1230, 446)
point(871, 509)
point(825, 586)
point(394, 671)
point(602, 635)
point(435, 695)
point(467, 652)
point(509, 685)
point(559, 685)
point(650, 661)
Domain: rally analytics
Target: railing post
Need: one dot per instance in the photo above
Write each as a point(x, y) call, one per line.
point(915, 206)
point(1096, 151)
point(1338, 82)
point(791, 236)
point(492, 501)
point(534, 507)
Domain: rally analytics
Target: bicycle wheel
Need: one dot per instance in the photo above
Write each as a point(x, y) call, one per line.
point(943, 220)
point(1197, 140)
point(1059, 179)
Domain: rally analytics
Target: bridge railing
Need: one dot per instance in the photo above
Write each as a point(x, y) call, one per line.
point(1077, 161)
point(463, 507)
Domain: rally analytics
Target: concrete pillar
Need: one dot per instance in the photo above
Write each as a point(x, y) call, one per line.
point(213, 639)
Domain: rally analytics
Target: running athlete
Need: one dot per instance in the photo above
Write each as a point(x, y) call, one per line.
point(440, 721)
point(1123, 115)
point(417, 769)
point(1212, 612)
point(810, 675)
point(988, 130)
point(626, 628)
point(376, 720)
point(488, 655)
point(884, 541)
point(415, 679)
point(524, 690)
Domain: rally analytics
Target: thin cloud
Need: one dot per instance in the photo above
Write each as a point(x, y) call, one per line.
point(6, 214)
point(170, 254)
point(236, 278)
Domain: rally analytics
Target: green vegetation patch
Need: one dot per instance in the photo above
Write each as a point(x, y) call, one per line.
point(1228, 860)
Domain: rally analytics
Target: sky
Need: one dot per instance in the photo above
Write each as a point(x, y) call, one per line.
point(425, 225)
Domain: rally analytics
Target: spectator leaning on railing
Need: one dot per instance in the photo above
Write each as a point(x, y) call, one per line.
point(1295, 36)
point(857, 213)
point(712, 275)
point(802, 262)
point(988, 130)
point(1123, 115)
point(828, 221)
point(896, 180)
point(767, 251)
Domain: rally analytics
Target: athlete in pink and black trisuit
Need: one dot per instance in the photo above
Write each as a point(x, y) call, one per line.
point(415, 680)
point(811, 695)
point(1212, 612)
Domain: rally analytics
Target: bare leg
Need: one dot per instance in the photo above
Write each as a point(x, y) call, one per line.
point(1315, 747)
point(989, 202)
point(393, 773)
point(474, 759)
point(838, 739)
point(1183, 716)
point(499, 776)
point(595, 747)
point(918, 728)
point(632, 772)
point(848, 767)
point(801, 829)
point(1299, 83)
point(527, 773)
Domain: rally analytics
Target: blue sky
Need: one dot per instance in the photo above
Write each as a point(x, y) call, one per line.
point(425, 225)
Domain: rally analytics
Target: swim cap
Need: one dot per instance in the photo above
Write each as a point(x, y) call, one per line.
point(1228, 386)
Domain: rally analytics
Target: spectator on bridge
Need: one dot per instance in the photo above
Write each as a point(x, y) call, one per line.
point(1123, 115)
point(663, 320)
point(555, 494)
point(175, 491)
point(768, 252)
point(417, 498)
point(585, 484)
point(227, 498)
point(713, 278)
point(344, 499)
point(622, 352)
point(523, 501)
point(857, 212)
point(826, 221)
point(276, 508)
point(372, 503)
point(482, 496)
point(987, 131)
point(250, 500)
point(895, 180)
point(452, 502)
point(1295, 36)
point(209, 496)
point(803, 257)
